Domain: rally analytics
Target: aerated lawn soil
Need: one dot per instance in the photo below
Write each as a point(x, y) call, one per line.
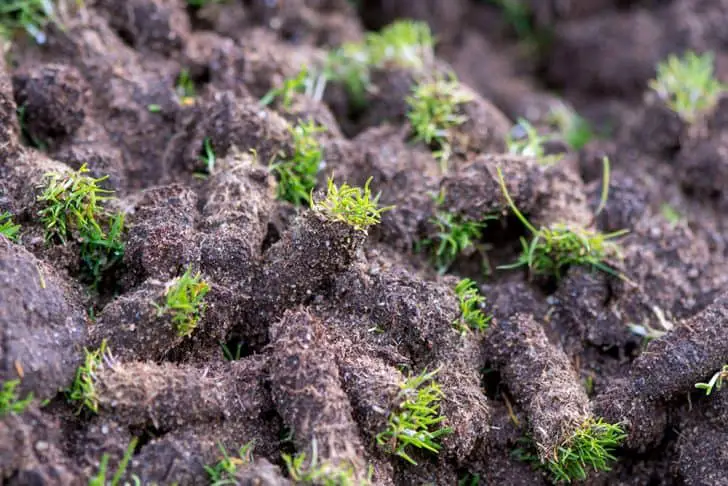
point(201, 314)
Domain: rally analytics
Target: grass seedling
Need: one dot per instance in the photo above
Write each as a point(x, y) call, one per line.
point(591, 447)
point(454, 236)
point(687, 84)
point(574, 129)
point(553, 249)
point(10, 402)
point(354, 206)
point(208, 155)
point(185, 302)
point(71, 202)
point(297, 174)
point(471, 315)
point(417, 421)
point(185, 88)
point(100, 478)
point(74, 208)
point(406, 44)
point(32, 16)
point(320, 473)
point(716, 382)
point(529, 142)
point(223, 472)
point(287, 89)
point(83, 388)
point(434, 111)
point(7, 228)
point(670, 214)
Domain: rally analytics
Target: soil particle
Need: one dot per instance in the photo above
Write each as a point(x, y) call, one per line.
point(41, 324)
point(541, 379)
point(702, 166)
point(626, 205)
point(30, 451)
point(306, 388)
point(261, 473)
point(161, 239)
point(703, 456)
point(159, 26)
point(9, 128)
point(657, 129)
point(616, 52)
point(52, 99)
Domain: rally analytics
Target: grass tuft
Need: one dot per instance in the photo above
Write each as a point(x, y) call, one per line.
point(529, 143)
point(100, 478)
point(185, 88)
point(223, 472)
point(406, 44)
point(354, 206)
point(73, 208)
point(10, 402)
point(574, 129)
point(552, 250)
point(417, 421)
point(687, 84)
point(591, 447)
point(32, 16)
point(454, 236)
point(716, 382)
point(297, 175)
point(471, 315)
point(83, 388)
point(434, 112)
point(290, 86)
point(9, 229)
point(319, 472)
point(185, 302)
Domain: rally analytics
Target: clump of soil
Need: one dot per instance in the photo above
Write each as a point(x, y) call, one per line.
point(311, 326)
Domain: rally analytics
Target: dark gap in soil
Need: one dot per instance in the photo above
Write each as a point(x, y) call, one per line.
point(126, 37)
point(272, 235)
point(236, 347)
point(491, 381)
point(145, 434)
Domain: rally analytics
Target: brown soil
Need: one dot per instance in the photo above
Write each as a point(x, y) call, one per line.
point(325, 321)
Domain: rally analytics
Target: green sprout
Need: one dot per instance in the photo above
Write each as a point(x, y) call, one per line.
point(100, 478)
point(203, 3)
point(320, 473)
point(715, 382)
point(83, 388)
point(670, 214)
point(10, 402)
point(687, 84)
point(354, 206)
point(184, 301)
point(574, 129)
point(7, 228)
point(208, 155)
point(71, 202)
point(32, 16)
point(471, 316)
point(417, 421)
point(303, 82)
point(223, 472)
point(185, 88)
point(554, 249)
point(530, 143)
point(74, 208)
point(434, 112)
point(590, 447)
point(297, 174)
point(455, 235)
point(406, 44)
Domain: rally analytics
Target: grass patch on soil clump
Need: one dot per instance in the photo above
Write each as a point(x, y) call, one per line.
point(434, 112)
point(687, 84)
point(73, 208)
point(185, 302)
point(83, 388)
point(224, 470)
point(553, 249)
point(715, 382)
point(416, 423)
point(297, 174)
point(354, 206)
point(313, 471)
point(470, 301)
point(7, 228)
point(530, 143)
point(10, 401)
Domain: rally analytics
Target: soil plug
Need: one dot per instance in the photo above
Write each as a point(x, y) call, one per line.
point(308, 395)
point(541, 379)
